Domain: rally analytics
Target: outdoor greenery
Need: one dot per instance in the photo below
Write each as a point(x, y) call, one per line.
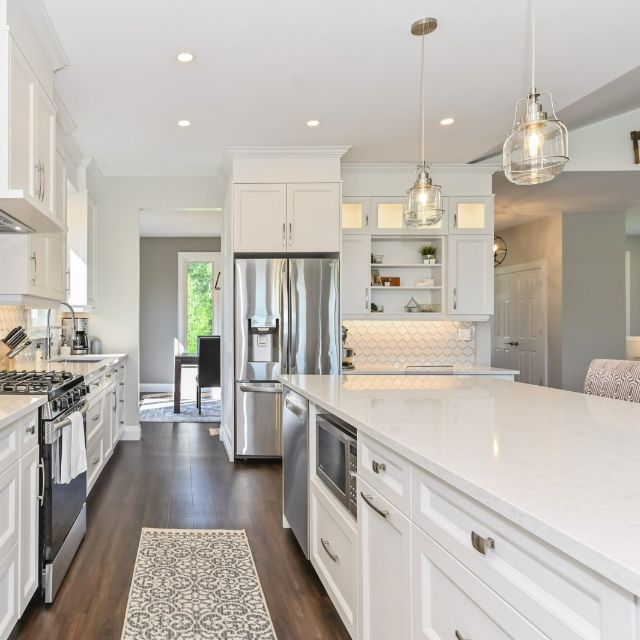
point(199, 303)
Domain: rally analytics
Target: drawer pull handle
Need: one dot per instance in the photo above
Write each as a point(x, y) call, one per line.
point(378, 466)
point(368, 499)
point(481, 544)
point(95, 461)
point(325, 546)
point(96, 417)
point(459, 636)
point(31, 429)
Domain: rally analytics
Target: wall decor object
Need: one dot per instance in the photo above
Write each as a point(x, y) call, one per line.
point(499, 251)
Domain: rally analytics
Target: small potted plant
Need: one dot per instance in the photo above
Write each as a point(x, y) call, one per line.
point(428, 253)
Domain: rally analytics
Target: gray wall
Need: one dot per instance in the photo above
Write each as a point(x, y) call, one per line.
point(633, 247)
point(159, 302)
point(531, 242)
point(593, 297)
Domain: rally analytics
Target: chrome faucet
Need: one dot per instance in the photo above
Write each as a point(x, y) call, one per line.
point(49, 338)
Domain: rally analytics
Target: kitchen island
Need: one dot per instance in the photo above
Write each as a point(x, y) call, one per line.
point(519, 502)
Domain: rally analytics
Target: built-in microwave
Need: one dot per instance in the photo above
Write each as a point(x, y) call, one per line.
point(337, 459)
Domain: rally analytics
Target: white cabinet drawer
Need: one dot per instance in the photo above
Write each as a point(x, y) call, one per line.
point(28, 432)
point(9, 445)
point(95, 459)
point(450, 602)
point(386, 471)
point(95, 386)
point(558, 595)
point(9, 496)
point(8, 592)
point(94, 420)
point(333, 553)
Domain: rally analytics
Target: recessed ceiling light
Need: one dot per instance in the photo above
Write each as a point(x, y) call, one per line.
point(184, 123)
point(185, 56)
point(447, 121)
point(313, 123)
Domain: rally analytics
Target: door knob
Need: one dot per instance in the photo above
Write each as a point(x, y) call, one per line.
point(513, 344)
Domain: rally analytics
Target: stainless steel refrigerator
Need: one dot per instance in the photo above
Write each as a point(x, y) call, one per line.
point(286, 321)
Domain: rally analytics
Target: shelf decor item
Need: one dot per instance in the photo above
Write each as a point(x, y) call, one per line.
point(376, 280)
point(412, 306)
point(429, 308)
point(423, 203)
point(376, 258)
point(390, 281)
point(537, 148)
point(425, 282)
point(428, 253)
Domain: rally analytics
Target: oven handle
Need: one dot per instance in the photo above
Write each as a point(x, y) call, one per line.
point(51, 428)
point(41, 472)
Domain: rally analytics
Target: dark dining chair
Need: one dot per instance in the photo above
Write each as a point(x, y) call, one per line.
point(208, 366)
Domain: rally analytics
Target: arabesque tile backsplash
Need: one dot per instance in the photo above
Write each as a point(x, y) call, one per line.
point(11, 316)
point(403, 343)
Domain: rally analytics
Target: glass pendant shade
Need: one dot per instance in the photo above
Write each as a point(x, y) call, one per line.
point(423, 204)
point(538, 147)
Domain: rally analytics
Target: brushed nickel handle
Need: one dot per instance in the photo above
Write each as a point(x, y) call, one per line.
point(31, 429)
point(95, 461)
point(290, 233)
point(366, 298)
point(325, 546)
point(481, 544)
point(35, 267)
point(368, 499)
point(68, 288)
point(38, 180)
point(96, 417)
point(459, 636)
point(366, 221)
point(122, 384)
point(44, 182)
point(455, 298)
point(455, 220)
point(378, 466)
point(41, 472)
point(513, 344)
point(284, 234)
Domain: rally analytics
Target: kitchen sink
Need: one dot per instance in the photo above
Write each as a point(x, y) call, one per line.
point(73, 359)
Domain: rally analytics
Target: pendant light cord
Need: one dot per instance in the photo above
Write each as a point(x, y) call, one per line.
point(533, 45)
point(422, 92)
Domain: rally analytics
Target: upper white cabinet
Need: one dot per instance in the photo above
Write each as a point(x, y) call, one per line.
point(27, 142)
point(286, 218)
point(356, 215)
point(355, 274)
point(471, 275)
point(313, 217)
point(470, 215)
point(81, 249)
point(388, 219)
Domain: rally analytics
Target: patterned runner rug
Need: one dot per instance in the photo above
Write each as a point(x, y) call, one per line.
point(196, 584)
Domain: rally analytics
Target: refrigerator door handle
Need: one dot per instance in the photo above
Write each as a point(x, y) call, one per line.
point(256, 388)
point(284, 317)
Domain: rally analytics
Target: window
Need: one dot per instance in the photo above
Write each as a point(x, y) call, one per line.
point(199, 282)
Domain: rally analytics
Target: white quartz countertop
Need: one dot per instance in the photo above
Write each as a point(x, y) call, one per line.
point(562, 465)
point(89, 370)
point(12, 408)
point(457, 370)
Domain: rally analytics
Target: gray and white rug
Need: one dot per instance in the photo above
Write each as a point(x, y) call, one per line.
point(158, 407)
point(196, 584)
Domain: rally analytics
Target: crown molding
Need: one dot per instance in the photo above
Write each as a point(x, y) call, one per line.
point(89, 168)
point(287, 152)
point(65, 119)
point(397, 167)
point(45, 33)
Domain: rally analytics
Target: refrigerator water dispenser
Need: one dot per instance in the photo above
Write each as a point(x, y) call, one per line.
point(264, 343)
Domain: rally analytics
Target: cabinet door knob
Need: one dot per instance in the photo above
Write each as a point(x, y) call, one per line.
point(378, 466)
point(31, 429)
point(481, 544)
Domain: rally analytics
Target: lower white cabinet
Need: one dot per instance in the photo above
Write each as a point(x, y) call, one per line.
point(9, 592)
point(384, 571)
point(29, 519)
point(333, 552)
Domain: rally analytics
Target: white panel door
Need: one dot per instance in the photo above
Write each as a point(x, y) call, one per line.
point(56, 248)
point(384, 571)
point(260, 218)
point(8, 592)
point(355, 274)
point(46, 148)
point(519, 332)
point(29, 523)
point(313, 217)
point(471, 275)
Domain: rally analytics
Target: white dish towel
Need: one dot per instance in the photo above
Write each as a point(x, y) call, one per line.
point(73, 450)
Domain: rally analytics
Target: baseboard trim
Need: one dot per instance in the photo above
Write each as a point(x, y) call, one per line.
point(226, 441)
point(155, 387)
point(131, 432)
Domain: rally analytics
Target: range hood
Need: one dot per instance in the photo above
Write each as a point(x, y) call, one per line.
point(11, 225)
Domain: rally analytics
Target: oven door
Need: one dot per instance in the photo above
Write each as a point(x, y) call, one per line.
point(332, 457)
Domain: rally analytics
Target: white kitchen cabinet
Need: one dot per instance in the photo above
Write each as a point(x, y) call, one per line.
point(108, 420)
point(471, 275)
point(278, 218)
point(81, 249)
point(260, 217)
point(356, 215)
point(384, 568)
point(60, 206)
point(33, 265)
point(355, 275)
point(313, 217)
point(388, 219)
point(45, 150)
point(470, 214)
point(9, 592)
point(29, 525)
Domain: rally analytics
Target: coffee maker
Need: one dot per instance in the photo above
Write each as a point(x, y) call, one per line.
point(78, 336)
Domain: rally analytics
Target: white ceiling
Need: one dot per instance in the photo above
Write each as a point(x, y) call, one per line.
point(264, 68)
point(180, 223)
point(570, 192)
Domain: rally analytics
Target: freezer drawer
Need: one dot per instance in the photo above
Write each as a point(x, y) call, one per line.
point(259, 419)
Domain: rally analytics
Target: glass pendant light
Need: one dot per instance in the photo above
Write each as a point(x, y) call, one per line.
point(423, 204)
point(538, 146)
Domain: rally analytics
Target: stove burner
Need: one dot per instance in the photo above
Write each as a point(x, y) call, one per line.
point(36, 382)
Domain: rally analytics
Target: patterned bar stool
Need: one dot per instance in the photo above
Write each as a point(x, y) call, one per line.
point(618, 379)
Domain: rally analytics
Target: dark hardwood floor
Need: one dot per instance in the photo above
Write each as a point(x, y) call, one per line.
point(178, 476)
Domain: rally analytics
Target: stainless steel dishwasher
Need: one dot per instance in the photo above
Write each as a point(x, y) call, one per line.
point(295, 466)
